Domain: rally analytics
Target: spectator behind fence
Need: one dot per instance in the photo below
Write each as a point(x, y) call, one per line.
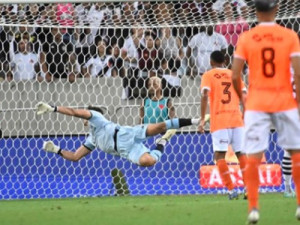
point(231, 27)
point(156, 108)
point(81, 11)
point(84, 45)
point(117, 68)
point(24, 63)
point(201, 46)
point(189, 10)
point(170, 46)
point(99, 65)
point(64, 14)
point(148, 56)
point(148, 63)
point(171, 81)
point(57, 57)
point(28, 33)
point(5, 38)
point(239, 5)
point(95, 16)
point(130, 56)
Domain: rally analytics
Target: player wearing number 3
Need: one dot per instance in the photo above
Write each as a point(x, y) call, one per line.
point(114, 139)
point(226, 124)
point(269, 50)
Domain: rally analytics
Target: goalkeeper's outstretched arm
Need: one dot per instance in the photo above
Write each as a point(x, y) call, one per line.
point(82, 151)
point(42, 108)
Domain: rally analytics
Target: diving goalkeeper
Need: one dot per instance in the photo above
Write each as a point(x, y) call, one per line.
point(125, 141)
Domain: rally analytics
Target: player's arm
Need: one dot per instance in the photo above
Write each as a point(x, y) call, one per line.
point(296, 67)
point(203, 108)
point(82, 151)
point(42, 108)
point(237, 68)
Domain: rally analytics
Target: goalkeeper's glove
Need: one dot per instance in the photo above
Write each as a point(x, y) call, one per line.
point(42, 108)
point(49, 146)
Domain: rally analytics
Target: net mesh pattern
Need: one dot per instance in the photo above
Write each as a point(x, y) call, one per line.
point(104, 54)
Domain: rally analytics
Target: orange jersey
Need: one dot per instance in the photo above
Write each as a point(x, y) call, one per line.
point(268, 49)
point(224, 102)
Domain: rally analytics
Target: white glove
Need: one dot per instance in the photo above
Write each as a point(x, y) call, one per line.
point(49, 146)
point(42, 108)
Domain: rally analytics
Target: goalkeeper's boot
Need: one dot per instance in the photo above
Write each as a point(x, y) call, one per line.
point(289, 194)
point(298, 213)
point(166, 137)
point(233, 195)
point(253, 216)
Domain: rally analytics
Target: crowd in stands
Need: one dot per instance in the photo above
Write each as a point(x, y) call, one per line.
point(79, 44)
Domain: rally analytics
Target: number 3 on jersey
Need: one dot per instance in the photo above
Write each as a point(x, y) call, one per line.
point(226, 92)
point(268, 55)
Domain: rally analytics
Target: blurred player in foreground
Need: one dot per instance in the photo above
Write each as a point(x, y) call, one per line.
point(269, 50)
point(226, 123)
point(114, 139)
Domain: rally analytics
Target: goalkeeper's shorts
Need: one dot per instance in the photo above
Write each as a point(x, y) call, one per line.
point(130, 142)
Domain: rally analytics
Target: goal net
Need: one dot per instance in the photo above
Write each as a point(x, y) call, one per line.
point(102, 54)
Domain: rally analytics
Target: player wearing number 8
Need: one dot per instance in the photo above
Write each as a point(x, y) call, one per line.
point(226, 124)
point(269, 50)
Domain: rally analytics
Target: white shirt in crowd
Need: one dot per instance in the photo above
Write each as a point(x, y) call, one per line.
point(131, 50)
point(97, 64)
point(23, 65)
point(82, 14)
point(95, 17)
point(203, 45)
point(218, 5)
point(173, 80)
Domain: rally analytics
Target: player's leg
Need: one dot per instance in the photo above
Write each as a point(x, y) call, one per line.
point(149, 159)
point(142, 156)
point(287, 124)
point(286, 166)
point(257, 127)
point(237, 139)
point(137, 152)
point(225, 174)
point(295, 154)
point(175, 123)
point(242, 157)
point(220, 141)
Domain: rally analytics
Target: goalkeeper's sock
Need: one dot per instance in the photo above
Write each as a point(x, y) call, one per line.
point(225, 175)
point(243, 160)
point(296, 174)
point(252, 181)
point(156, 154)
point(178, 123)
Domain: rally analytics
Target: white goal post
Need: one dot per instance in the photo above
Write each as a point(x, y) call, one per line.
point(84, 53)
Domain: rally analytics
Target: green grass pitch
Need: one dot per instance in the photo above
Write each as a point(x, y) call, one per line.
point(146, 210)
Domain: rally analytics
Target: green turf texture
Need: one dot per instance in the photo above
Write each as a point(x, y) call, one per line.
point(146, 210)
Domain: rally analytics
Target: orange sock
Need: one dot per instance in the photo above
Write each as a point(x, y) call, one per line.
point(252, 181)
point(296, 174)
point(243, 161)
point(224, 172)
